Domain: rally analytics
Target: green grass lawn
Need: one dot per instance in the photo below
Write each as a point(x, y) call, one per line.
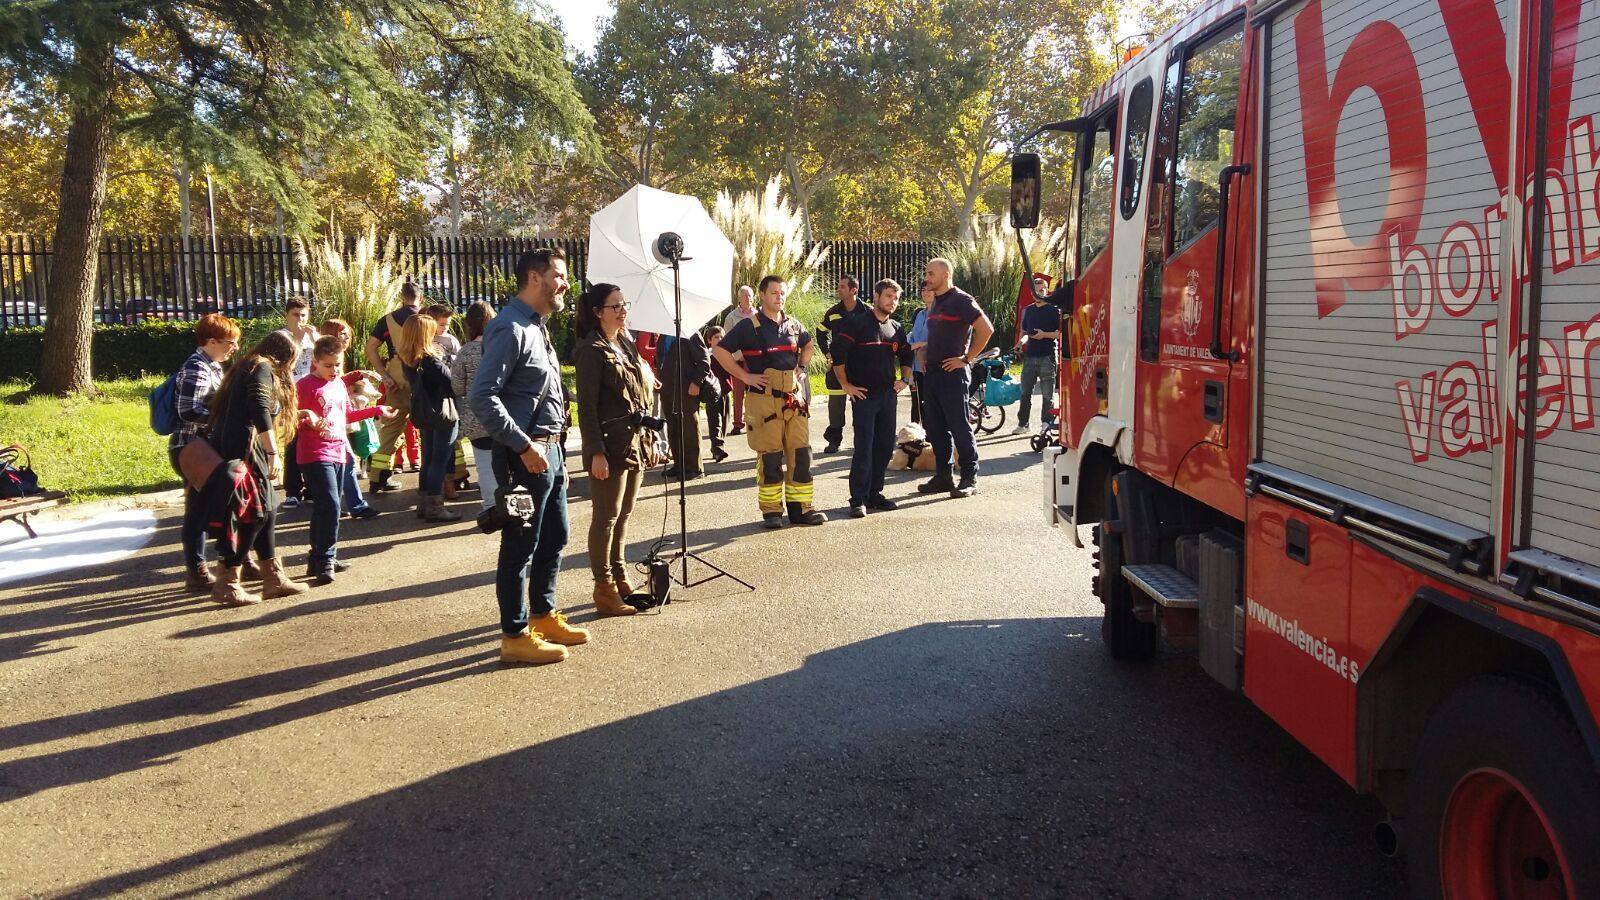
point(90, 448)
point(103, 447)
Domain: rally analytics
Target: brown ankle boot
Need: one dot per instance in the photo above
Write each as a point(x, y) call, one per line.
point(276, 583)
point(436, 512)
point(609, 602)
point(198, 578)
point(625, 589)
point(228, 590)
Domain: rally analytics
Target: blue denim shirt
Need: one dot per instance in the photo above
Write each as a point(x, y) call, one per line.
point(919, 335)
point(519, 367)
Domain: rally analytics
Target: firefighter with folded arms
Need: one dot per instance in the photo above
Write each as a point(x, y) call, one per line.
point(833, 322)
point(769, 353)
point(872, 357)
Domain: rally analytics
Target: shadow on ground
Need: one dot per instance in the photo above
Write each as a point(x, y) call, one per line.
point(884, 766)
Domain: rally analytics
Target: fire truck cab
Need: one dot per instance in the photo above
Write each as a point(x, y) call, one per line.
point(1328, 400)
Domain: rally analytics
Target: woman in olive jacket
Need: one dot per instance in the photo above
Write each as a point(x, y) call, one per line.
point(613, 385)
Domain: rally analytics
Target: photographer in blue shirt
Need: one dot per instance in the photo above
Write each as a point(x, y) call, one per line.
point(1040, 340)
point(519, 400)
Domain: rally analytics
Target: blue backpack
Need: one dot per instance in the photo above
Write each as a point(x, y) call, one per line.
point(164, 407)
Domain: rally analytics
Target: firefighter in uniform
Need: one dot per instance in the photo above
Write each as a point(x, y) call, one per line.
point(382, 356)
point(769, 352)
point(832, 324)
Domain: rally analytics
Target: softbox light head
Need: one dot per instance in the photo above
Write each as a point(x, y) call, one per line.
point(669, 247)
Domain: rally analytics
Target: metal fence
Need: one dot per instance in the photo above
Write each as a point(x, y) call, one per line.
point(157, 277)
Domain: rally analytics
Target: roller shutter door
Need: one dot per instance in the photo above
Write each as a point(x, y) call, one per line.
point(1385, 393)
point(1566, 469)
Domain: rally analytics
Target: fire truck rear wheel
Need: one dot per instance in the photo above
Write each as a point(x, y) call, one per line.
point(1504, 799)
point(1123, 634)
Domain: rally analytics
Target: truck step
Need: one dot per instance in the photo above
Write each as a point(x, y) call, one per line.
point(1165, 585)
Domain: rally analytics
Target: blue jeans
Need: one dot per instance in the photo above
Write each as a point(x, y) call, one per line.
point(1040, 369)
point(945, 408)
point(873, 421)
point(438, 458)
point(353, 500)
point(530, 556)
point(324, 482)
point(483, 461)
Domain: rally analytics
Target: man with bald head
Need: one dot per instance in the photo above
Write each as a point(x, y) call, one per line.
point(958, 332)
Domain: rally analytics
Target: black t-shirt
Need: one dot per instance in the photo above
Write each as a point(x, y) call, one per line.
point(872, 352)
point(1040, 317)
point(832, 323)
point(381, 330)
point(950, 321)
point(765, 344)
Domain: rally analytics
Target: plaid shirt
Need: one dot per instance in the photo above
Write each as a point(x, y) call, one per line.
point(198, 381)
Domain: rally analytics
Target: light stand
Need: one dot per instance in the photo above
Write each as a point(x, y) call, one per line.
point(673, 251)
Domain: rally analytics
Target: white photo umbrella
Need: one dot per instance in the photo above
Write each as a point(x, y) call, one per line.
point(622, 240)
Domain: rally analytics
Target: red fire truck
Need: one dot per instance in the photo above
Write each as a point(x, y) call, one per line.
point(1327, 400)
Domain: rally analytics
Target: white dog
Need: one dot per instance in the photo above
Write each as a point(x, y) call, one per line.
point(912, 450)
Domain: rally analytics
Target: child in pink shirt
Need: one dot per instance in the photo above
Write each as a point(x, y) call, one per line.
point(323, 448)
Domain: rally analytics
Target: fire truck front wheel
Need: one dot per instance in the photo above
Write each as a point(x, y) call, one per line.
point(1123, 634)
point(1503, 797)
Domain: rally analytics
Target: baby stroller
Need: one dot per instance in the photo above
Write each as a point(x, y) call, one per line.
point(1049, 433)
point(993, 389)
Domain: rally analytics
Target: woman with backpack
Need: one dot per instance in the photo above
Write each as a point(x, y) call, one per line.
point(195, 385)
point(252, 418)
point(433, 409)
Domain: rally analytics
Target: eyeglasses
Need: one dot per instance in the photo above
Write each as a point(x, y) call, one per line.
point(623, 305)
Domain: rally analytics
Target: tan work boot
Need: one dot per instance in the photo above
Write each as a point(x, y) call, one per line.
point(229, 590)
point(276, 583)
point(554, 628)
point(609, 602)
point(530, 647)
point(624, 588)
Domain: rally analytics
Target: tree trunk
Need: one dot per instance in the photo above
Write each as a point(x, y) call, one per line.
point(75, 260)
point(453, 176)
point(802, 197)
point(186, 233)
point(973, 185)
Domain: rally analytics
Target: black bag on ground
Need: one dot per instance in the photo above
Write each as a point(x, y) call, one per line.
point(17, 478)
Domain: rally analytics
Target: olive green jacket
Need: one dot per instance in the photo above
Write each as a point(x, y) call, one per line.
point(611, 386)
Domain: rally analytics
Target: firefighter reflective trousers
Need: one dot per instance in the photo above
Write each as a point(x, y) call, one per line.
point(392, 431)
point(780, 434)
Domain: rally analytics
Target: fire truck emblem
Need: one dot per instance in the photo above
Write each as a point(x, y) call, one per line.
point(1190, 309)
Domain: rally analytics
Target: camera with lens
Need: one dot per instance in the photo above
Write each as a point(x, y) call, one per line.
point(637, 419)
point(640, 419)
point(513, 506)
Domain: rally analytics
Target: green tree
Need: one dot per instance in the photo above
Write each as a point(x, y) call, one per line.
point(648, 77)
point(501, 96)
point(810, 89)
point(1000, 68)
point(241, 84)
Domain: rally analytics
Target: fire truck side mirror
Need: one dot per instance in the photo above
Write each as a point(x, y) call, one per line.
point(1025, 178)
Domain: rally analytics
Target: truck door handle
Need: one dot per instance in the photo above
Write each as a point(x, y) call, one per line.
point(1100, 384)
point(1211, 402)
point(1297, 541)
point(1224, 184)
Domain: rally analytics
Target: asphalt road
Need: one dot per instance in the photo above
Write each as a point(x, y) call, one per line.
point(912, 704)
